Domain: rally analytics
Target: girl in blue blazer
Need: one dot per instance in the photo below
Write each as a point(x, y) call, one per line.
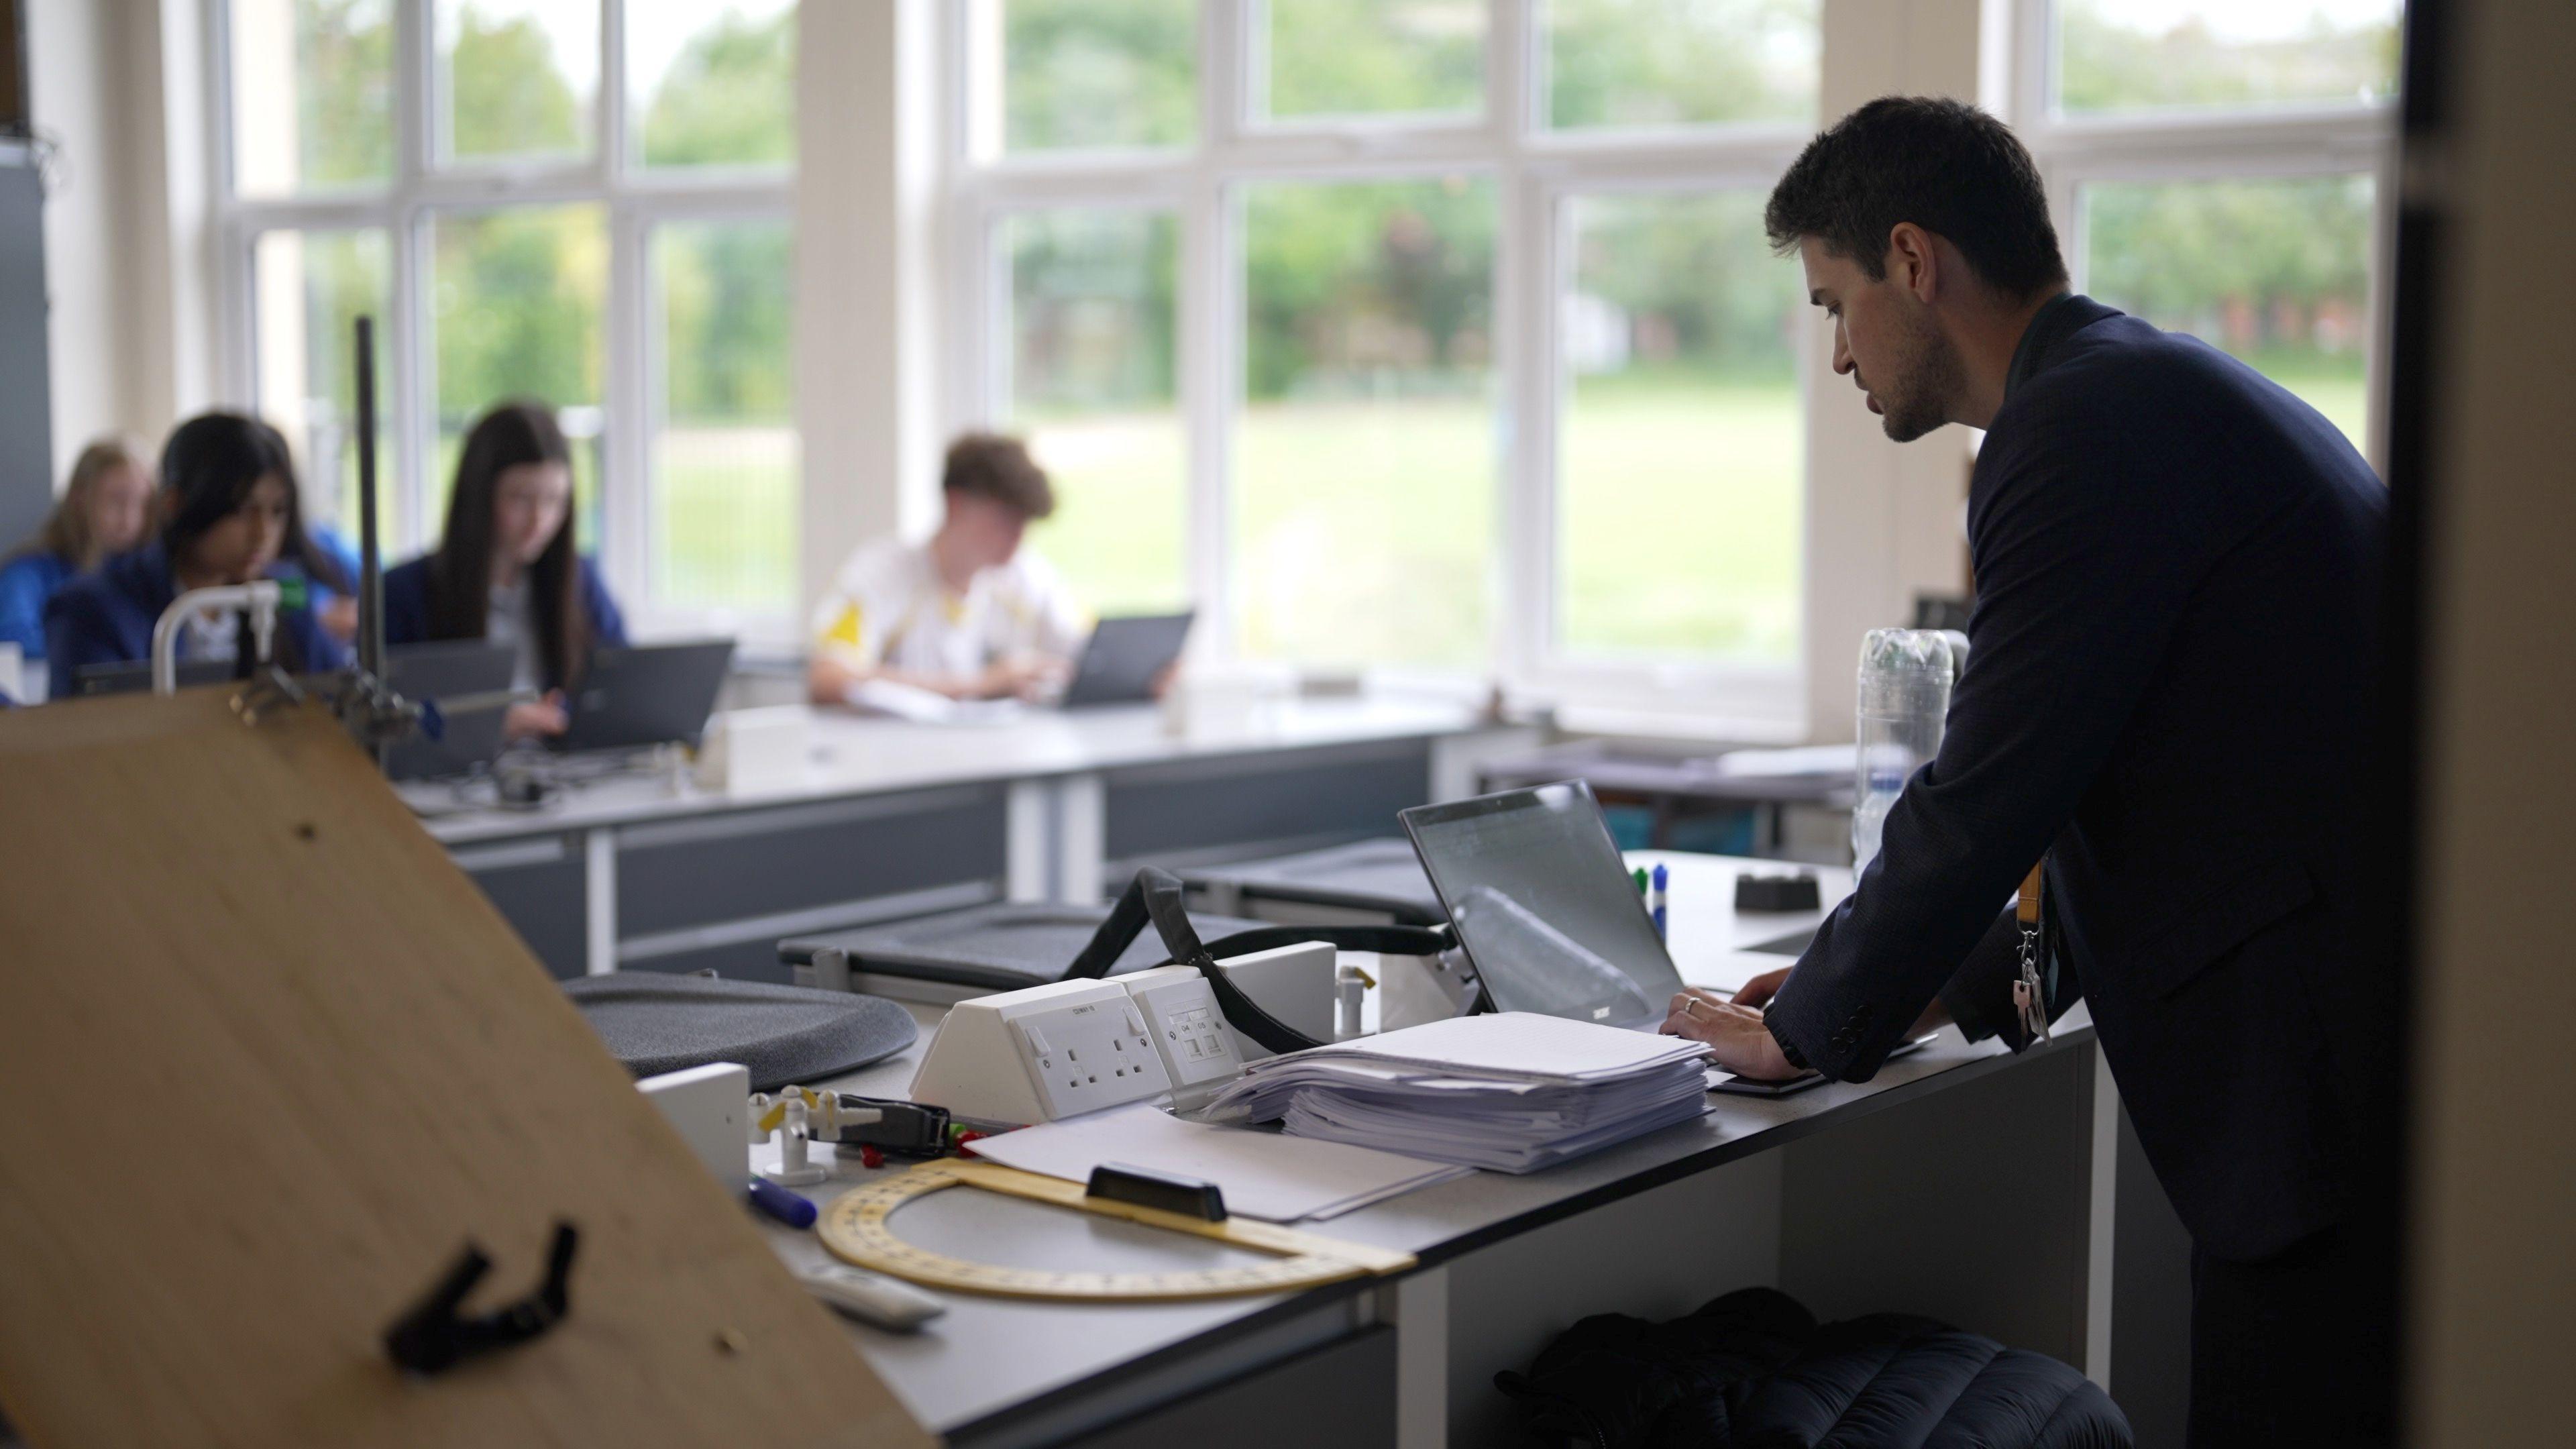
point(228, 515)
point(103, 511)
point(505, 570)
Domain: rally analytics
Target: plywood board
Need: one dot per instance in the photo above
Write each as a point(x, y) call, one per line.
point(267, 1060)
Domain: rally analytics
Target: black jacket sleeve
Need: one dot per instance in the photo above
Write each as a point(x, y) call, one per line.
point(2081, 579)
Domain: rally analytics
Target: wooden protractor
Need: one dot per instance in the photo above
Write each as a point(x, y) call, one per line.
point(855, 1228)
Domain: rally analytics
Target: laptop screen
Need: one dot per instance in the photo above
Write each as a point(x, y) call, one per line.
point(1545, 908)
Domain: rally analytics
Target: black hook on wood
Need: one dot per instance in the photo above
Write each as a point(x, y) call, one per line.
point(433, 1338)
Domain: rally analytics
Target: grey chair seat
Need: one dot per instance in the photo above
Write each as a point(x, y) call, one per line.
point(655, 1023)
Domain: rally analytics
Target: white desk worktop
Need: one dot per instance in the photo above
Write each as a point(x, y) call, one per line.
point(847, 754)
point(1711, 944)
point(995, 1365)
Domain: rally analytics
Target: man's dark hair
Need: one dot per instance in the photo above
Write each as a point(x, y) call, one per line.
point(988, 465)
point(1943, 165)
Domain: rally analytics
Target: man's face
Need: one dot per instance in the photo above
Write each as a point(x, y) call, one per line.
point(987, 531)
point(1884, 336)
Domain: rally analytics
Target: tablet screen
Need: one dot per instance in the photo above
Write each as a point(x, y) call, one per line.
point(1545, 908)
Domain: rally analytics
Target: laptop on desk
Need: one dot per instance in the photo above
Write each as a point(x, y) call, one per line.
point(469, 681)
point(651, 694)
point(1548, 914)
point(1124, 657)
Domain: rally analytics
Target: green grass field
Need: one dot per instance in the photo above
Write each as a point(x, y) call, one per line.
point(1365, 532)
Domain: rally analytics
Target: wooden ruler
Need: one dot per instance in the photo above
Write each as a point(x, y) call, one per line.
point(855, 1228)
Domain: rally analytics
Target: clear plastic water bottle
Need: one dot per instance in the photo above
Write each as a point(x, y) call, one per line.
point(1905, 678)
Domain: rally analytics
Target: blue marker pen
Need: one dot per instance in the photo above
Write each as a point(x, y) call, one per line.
point(1662, 878)
point(788, 1207)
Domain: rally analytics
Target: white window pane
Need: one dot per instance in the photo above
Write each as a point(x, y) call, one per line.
point(1681, 449)
point(1079, 75)
point(515, 304)
point(312, 94)
point(1372, 58)
point(517, 79)
point(2129, 55)
point(2276, 272)
point(1364, 457)
point(724, 451)
point(1090, 384)
point(713, 82)
point(1657, 63)
point(310, 287)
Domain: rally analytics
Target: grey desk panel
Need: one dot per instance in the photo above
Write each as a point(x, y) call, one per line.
point(1342, 1395)
point(540, 888)
point(1170, 810)
point(753, 863)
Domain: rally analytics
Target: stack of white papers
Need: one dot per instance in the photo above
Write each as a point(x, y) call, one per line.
point(1514, 1092)
point(1266, 1175)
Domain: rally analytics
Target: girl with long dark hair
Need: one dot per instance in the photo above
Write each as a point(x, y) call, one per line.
point(228, 515)
point(505, 569)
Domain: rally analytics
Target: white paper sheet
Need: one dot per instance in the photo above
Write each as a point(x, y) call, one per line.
point(1519, 1044)
point(1266, 1175)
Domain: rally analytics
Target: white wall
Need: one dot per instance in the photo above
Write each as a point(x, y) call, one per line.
point(868, 275)
point(117, 85)
point(1883, 519)
point(77, 102)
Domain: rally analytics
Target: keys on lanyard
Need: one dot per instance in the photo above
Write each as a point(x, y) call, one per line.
point(2030, 996)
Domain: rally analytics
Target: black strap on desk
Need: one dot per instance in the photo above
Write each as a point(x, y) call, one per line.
point(1159, 897)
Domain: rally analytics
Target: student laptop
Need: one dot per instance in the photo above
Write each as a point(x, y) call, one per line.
point(134, 676)
point(651, 694)
point(1550, 917)
point(471, 672)
point(1124, 656)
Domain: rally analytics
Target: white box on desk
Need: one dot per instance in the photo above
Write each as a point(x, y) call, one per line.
point(755, 751)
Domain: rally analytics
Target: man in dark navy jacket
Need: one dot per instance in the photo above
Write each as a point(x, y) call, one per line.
point(2169, 697)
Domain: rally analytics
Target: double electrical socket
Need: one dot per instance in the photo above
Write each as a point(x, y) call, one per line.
point(1069, 1047)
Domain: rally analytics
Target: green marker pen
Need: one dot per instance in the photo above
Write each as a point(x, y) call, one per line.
point(1641, 880)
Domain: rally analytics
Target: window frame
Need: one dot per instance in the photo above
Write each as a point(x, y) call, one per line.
point(1535, 172)
point(2252, 143)
point(633, 201)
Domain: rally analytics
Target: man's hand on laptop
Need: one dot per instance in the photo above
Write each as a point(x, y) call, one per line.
point(1757, 993)
point(1737, 1040)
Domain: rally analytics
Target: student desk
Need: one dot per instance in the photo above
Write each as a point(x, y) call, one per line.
point(885, 819)
point(2003, 1193)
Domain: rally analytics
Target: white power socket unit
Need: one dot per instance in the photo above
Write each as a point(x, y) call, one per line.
point(707, 1104)
point(1292, 983)
point(1069, 1047)
point(1190, 1033)
point(1087, 1051)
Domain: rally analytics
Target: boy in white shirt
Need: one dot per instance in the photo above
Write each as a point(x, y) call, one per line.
point(967, 612)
